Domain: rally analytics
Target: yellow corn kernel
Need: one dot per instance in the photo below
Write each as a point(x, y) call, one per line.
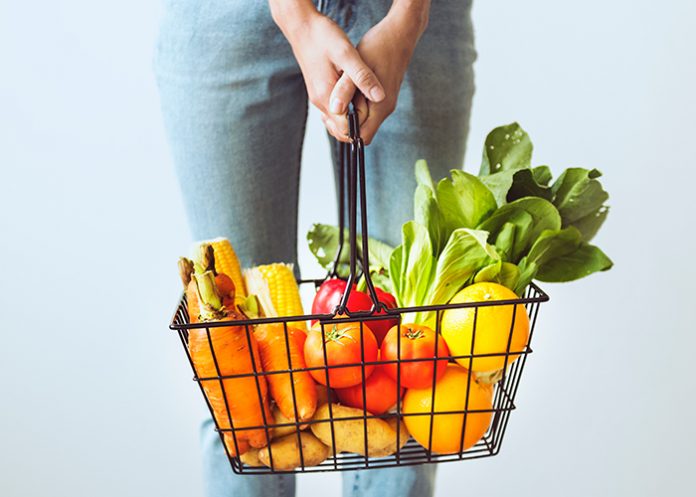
point(226, 262)
point(276, 289)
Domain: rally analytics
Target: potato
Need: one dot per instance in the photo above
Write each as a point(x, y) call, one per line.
point(251, 458)
point(286, 453)
point(281, 431)
point(381, 434)
point(391, 448)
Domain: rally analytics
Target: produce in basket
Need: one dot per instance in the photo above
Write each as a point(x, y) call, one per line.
point(451, 393)
point(415, 342)
point(235, 352)
point(331, 291)
point(275, 288)
point(280, 419)
point(344, 344)
point(509, 225)
point(379, 389)
point(494, 330)
point(251, 458)
point(280, 352)
point(350, 433)
point(226, 263)
point(285, 452)
point(323, 397)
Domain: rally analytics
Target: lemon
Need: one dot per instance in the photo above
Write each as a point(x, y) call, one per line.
point(494, 328)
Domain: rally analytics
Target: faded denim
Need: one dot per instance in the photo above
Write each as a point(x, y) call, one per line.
point(235, 106)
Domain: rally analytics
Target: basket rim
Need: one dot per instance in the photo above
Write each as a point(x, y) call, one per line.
point(541, 296)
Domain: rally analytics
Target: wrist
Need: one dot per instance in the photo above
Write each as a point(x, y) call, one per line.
point(411, 16)
point(292, 16)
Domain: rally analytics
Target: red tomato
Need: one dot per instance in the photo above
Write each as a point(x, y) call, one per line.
point(417, 342)
point(343, 346)
point(329, 296)
point(380, 393)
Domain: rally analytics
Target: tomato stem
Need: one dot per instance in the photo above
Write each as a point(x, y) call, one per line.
point(336, 335)
point(412, 334)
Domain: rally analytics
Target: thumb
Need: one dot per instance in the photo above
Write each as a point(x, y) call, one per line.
point(341, 94)
point(361, 75)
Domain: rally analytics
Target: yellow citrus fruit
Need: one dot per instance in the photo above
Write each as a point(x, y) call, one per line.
point(450, 395)
point(493, 327)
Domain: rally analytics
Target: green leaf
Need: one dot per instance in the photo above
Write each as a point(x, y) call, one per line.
point(580, 198)
point(590, 224)
point(427, 212)
point(530, 215)
point(505, 239)
point(584, 261)
point(464, 200)
point(412, 265)
point(510, 185)
point(504, 273)
point(423, 176)
point(465, 253)
point(562, 255)
point(542, 175)
point(524, 184)
point(506, 148)
point(396, 274)
point(323, 243)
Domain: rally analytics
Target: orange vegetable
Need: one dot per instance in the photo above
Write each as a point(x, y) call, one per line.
point(274, 357)
point(233, 352)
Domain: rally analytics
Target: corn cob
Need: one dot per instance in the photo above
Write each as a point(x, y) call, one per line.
point(226, 262)
point(276, 290)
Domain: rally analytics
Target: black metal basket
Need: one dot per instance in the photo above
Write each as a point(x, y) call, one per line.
point(504, 385)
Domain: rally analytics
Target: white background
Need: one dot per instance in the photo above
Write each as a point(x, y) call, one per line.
point(96, 395)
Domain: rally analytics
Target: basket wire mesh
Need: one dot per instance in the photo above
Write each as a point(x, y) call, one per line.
point(352, 171)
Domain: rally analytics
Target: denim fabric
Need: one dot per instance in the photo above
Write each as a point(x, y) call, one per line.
point(235, 106)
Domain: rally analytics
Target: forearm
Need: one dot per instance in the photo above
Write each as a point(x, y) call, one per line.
point(412, 15)
point(292, 16)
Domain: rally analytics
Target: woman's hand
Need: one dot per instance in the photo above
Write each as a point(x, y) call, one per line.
point(386, 48)
point(325, 54)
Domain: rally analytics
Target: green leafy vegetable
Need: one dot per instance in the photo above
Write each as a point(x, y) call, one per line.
point(323, 243)
point(426, 209)
point(464, 200)
point(580, 198)
point(561, 255)
point(509, 225)
point(507, 186)
point(411, 267)
point(514, 227)
point(506, 148)
point(418, 278)
point(504, 273)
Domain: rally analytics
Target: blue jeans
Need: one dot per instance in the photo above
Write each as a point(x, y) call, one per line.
point(235, 106)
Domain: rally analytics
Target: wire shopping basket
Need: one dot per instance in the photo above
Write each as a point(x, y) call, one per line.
point(426, 425)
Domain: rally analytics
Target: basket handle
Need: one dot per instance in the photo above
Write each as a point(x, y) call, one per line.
point(352, 171)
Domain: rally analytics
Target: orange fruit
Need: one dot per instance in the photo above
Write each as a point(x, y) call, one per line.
point(450, 395)
point(493, 326)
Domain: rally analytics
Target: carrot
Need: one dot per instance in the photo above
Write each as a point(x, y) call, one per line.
point(274, 357)
point(233, 356)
